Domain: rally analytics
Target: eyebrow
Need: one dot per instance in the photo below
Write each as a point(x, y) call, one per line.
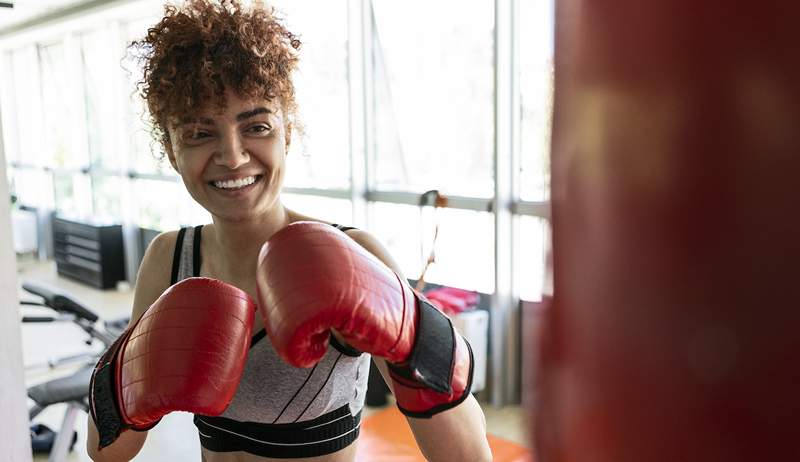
point(247, 114)
point(240, 117)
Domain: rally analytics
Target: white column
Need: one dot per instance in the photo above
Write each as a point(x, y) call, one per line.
point(14, 434)
point(505, 305)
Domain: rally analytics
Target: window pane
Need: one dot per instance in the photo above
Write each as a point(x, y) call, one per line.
point(73, 195)
point(27, 106)
point(321, 158)
point(166, 205)
point(325, 208)
point(100, 60)
point(464, 247)
point(32, 187)
point(107, 197)
point(434, 109)
point(536, 89)
point(62, 118)
point(534, 239)
point(143, 150)
point(9, 116)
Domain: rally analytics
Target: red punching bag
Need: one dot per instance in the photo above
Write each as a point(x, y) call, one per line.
point(674, 329)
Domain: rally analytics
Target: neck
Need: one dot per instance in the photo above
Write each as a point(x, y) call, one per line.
point(237, 243)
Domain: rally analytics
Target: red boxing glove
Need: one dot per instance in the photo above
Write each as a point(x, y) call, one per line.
point(313, 278)
point(186, 353)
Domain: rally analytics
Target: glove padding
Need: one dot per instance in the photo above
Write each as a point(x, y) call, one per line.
point(312, 278)
point(186, 353)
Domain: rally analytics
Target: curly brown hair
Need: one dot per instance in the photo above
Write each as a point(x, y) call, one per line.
point(204, 47)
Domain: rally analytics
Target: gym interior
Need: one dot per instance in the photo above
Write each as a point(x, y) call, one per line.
point(601, 196)
point(434, 138)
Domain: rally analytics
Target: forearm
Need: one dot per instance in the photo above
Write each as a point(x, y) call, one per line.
point(125, 448)
point(462, 429)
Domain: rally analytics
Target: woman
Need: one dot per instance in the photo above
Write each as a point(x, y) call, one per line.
point(217, 82)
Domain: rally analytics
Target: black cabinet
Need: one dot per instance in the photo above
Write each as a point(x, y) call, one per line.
point(89, 252)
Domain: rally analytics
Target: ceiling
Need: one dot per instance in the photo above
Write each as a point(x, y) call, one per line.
point(26, 10)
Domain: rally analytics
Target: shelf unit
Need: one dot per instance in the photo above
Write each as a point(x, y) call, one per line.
point(91, 253)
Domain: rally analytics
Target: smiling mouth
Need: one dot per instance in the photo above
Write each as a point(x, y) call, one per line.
point(234, 185)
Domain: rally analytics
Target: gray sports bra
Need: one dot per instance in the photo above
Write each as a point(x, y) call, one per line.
point(278, 410)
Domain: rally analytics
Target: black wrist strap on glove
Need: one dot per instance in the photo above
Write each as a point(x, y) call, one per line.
point(431, 360)
point(103, 397)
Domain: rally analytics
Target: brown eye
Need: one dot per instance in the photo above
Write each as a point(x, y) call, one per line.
point(259, 129)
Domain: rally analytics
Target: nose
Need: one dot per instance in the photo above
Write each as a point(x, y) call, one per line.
point(231, 153)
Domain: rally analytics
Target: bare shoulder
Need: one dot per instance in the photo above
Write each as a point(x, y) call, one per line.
point(154, 273)
point(374, 246)
point(365, 239)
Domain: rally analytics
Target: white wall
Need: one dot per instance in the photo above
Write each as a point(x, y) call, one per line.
point(14, 433)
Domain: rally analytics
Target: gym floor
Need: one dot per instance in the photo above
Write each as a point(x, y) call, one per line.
point(175, 436)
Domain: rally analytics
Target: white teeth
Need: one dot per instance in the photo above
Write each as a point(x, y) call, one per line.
point(235, 184)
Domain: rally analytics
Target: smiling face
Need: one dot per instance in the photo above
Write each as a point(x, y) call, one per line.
point(232, 162)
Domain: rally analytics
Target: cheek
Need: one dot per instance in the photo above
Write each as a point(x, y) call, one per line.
point(189, 168)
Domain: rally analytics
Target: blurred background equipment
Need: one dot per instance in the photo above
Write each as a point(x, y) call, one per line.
point(673, 329)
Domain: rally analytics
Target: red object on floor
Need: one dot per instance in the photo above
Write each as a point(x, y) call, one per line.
point(386, 437)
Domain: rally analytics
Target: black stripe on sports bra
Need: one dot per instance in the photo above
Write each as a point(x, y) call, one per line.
point(197, 259)
point(176, 257)
point(326, 434)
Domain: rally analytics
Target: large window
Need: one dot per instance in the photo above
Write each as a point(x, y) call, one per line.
point(325, 208)
point(320, 157)
point(107, 197)
point(426, 102)
point(464, 249)
point(26, 184)
point(433, 91)
point(433, 97)
point(143, 150)
point(536, 95)
point(73, 194)
point(62, 111)
point(98, 76)
point(534, 235)
point(164, 205)
point(26, 104)
point(8, 112)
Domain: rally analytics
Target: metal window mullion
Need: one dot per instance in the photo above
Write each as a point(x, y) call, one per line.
point(368, 104)
point(152, 176)
point(331, 193)
point(535, 209)
point(505, 313)
point(358, 72)
point(410, 198)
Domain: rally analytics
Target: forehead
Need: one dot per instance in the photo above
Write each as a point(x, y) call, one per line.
point(233, 108)
point(235, 105)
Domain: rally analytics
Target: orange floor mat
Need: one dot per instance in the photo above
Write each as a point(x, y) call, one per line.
point(386, 437)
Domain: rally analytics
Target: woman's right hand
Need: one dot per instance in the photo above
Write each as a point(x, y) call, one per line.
point(123, 449)
point(186, 353)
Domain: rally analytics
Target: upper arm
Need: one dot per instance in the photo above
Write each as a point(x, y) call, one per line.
point(464, 424)
point(374, 246)
point(154, 274)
